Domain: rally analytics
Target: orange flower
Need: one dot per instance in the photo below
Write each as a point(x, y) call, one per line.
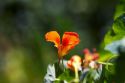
point(69, 40)
point(90, 56)
point(74, 62)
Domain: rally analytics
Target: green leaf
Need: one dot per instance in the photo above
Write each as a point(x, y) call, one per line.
point(119, 25)
point(117, 32)
point(106, 56)
point(120, 9)
point(109, 73)
point(67, 75)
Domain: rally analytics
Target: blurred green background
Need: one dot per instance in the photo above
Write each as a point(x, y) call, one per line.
point(24, 53)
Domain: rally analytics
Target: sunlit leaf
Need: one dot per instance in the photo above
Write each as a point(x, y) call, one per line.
point(118, 30)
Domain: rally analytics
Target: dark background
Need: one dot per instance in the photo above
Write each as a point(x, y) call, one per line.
point(24, 53)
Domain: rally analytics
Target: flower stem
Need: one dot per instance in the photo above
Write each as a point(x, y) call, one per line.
point(76, 74)
point(105, 63)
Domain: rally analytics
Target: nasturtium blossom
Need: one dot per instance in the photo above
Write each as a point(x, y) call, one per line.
point(90, 56)
point(69, 40)
point(74, 62)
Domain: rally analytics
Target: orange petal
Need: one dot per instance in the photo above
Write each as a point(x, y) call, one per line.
point(86, 51)
point(54, 37)
point(95, 56)
point(69, 64)
point(69, 40)
point(90, 56)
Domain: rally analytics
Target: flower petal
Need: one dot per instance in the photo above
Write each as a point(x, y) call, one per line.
point(90, 56)
point(74, 60)
point(69, 40)
point(54, 37)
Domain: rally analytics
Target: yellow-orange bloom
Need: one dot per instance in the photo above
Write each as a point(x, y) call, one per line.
point(74, 62)
point(69, 40)
point(90, 56)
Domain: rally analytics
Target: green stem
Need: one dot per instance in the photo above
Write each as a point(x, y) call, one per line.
point(114, 56)
point(106, 63)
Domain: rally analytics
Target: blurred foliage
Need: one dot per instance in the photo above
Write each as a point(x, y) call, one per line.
point(114, 40)
point(118, 30)
point(24, 54)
